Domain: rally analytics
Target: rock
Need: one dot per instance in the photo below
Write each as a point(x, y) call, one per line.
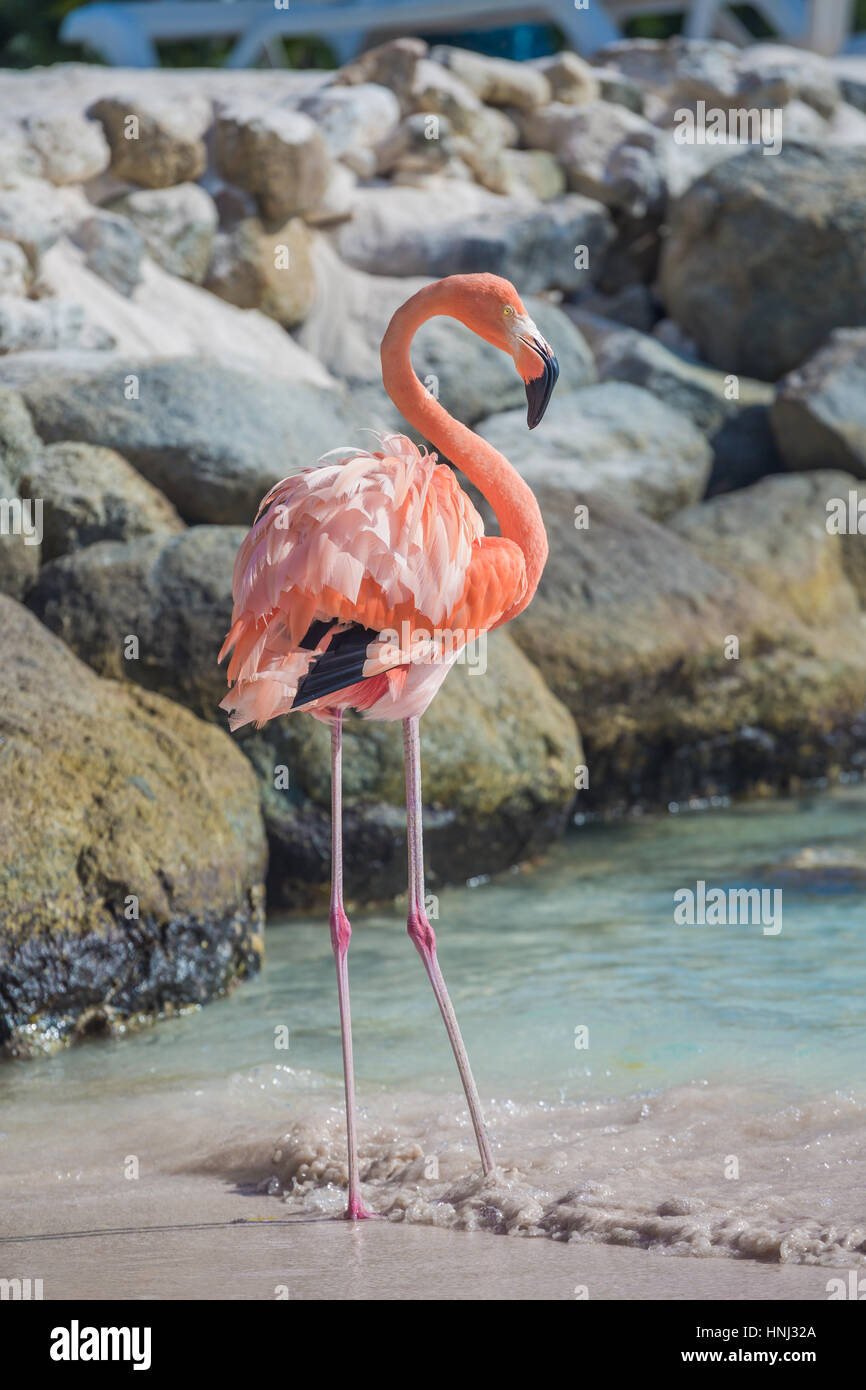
point(684, 164)
point(438, 232)
point(20, 539)
point(213, 440)
point(171, 588)
point(629, 628)
point(113, 249)
point(416, 146)
point(338, 199)
point(613, 439)
point(608, 152)
point(279, 155)
point(707, 396)
point(20, 517)
point(133, 850)
point(695, 67)
point(390, 65)
point(177, 225)
point(19, 442)
point(35, 213)
point(633, 307)
point(744, 450)
point(820, 869)
point(497, 81)
point(754, 304)
point(671, 336)
point(499, 750)
point(71, 149)
point(819, 414)
point(615, 87)
point(18, 159)
point(773, 74)
point(92, 494)
point(27, 324)
point(271, 271)
point(15, 270)
point(847, 126)
point(519, 174)
point(536, 172)
point(570, 79)
point(775, 536)
point(762, 75)
point(438, 91)
point(850, 72)
point(353, 120)
point(353, 309)
point(166, 318)
point(155, 143)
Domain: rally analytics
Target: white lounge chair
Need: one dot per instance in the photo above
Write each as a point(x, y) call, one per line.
point(125, 34)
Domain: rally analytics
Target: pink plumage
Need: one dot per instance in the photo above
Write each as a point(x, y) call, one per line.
point(381, 539)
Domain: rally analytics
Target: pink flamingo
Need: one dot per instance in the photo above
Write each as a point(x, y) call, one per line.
point(361, 581)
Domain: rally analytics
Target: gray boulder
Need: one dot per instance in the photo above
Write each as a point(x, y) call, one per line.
point(613, 439)
point(113, 248)
point(213, 440)
point(707, 396)
point(750, 533)
point(16, 273)
point(19, 528)
point(91, 494)
point(631, 628)
point(177, 225)
point(760, 301)
point(608, 152)
point(819, 414)
point(33, 325)
point(459, 228)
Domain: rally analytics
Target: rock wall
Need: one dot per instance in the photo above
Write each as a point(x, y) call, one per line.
point(196, 269)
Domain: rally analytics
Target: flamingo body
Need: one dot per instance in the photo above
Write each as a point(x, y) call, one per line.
point(386, 541)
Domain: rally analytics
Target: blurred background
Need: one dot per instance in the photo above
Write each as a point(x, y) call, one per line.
point(208, 213)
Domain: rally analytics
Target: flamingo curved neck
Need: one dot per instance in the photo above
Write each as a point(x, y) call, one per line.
point(512, 500)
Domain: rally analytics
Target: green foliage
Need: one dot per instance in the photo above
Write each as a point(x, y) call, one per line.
point(29, 38)
point(28, 33)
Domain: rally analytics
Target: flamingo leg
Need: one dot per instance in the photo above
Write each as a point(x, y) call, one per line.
point(341, 933)
point(422, 934)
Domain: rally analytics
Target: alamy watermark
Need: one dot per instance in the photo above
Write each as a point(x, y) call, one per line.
point(718, 125)
point(729, 907)
point(21, 516)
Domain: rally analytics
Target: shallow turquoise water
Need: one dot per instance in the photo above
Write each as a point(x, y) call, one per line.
point(586, 938)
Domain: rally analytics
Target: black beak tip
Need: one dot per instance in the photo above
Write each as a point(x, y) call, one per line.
point(540, 389)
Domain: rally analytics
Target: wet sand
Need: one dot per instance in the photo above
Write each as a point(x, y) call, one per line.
point(322, 1259)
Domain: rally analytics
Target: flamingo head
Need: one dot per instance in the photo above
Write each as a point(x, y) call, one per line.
point(493, 309)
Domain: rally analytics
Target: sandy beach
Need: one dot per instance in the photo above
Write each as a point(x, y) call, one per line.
point(322, 1259)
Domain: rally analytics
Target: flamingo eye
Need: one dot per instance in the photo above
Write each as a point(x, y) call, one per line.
point(508, 310)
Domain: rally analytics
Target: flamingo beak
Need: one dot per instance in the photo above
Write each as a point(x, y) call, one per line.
point(539, 388)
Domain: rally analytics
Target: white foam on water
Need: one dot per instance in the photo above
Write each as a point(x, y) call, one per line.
point(698, 1170)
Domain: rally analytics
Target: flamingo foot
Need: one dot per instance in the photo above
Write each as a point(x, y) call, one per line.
point(356, 1211)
